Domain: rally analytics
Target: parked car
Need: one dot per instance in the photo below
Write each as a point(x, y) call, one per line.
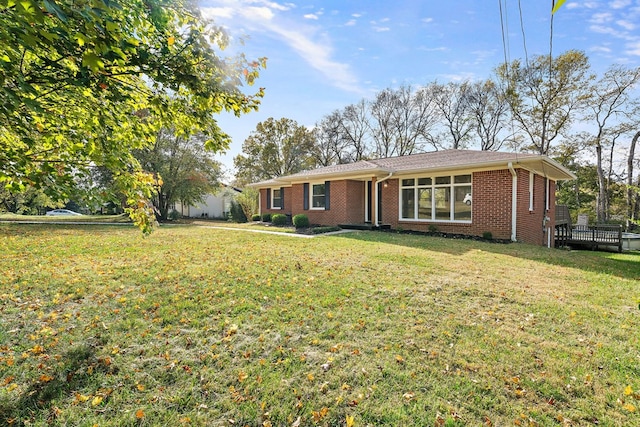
point(467, 199)
point(61, 212)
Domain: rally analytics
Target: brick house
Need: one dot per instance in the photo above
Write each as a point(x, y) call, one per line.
point(510, 195)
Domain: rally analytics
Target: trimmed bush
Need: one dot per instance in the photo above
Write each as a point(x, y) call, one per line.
point(321, 230)
point(266, 217)
point(236, 214)
point(301, 221)
point(487, 235)
point(255, 217)
point(279, 219)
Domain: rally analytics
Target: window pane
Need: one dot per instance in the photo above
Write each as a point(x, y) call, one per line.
point(318, 189)
point(443, 180)
point(462, 203)
point(424, 203)
point(462, 179)
point(408, 203)
point(424, 181)
point(442, 198)
point(407, 182)
point(318, 201)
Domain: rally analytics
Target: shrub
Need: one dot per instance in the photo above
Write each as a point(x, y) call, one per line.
point(278, 219)
point(320, 230)
point(487, 235)
point(301, 221)
point(266, 217)
point(236, 214)
point(174, 215)
point(255, 217)
point(433, 228)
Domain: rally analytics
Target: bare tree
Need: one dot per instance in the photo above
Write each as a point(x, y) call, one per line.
point(633, 199)
point(355, 127)
point(383, 127)
point(488, 108)
point(453, 106)
point(415, 117)
point(331, 144)
point(608, 109)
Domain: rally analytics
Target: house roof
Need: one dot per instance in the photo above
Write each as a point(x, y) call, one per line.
point(433, 162)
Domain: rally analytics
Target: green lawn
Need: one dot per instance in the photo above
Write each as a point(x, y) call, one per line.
point(201, 326)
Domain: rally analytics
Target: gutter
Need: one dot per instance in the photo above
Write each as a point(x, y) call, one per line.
point(375, 215)
point(514, 201)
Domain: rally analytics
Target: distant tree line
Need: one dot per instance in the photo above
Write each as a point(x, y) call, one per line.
point(552, 106)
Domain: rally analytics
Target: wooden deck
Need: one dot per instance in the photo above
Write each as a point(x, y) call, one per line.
point(594, 237)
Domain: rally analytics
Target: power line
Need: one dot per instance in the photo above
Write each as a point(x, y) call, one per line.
point(524, 38)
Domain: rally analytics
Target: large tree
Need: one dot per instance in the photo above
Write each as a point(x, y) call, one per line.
point(187, 171)
point(275, 148)
point(85, 82)
point(610, 110)
point(545, 94)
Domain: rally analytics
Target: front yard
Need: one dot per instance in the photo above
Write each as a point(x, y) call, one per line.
point(201, 326)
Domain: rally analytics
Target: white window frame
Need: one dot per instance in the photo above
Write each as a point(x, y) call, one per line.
point(531, 187)
point(273, 205)
point(433, 186)
point(317, 208)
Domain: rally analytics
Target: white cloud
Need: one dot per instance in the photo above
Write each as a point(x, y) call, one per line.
point(601, 18)
point(626, 25)
point(427, 20)
point(351, 23)
point(600, 49)
point(381, 29)
point(267, 17)
point(217, 12)
point(633, 48)
point(619, 4)
point(434, 49)
point(357, 15)
point(461, 77)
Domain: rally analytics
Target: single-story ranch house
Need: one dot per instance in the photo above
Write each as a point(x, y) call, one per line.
point(510, 195)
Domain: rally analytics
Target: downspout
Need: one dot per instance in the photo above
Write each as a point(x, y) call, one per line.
point(514, 201)
point(375, 215)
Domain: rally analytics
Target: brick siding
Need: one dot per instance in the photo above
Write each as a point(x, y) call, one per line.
point(491, 210)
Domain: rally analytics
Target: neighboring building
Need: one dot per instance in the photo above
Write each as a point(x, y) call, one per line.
point(510, 195)
point(215, 205)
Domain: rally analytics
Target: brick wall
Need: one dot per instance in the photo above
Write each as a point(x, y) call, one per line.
point(266, 208)
point(491, 206)
point(346, 204)
point(530, 222)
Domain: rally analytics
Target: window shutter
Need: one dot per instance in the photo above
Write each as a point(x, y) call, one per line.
point(268, 198)
point(281, 197)
point(326, 195)
point(305, 196)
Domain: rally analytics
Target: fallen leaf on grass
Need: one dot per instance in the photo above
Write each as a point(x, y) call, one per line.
point(139, 414)
point(319, 415)
point(350, 421)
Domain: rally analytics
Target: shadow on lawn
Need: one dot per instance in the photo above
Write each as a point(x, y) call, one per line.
point(37, 402)
point(625, 265)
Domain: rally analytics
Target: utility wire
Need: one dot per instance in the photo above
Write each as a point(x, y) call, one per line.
point(524, 38)
point(553, 5)
point(505, 42)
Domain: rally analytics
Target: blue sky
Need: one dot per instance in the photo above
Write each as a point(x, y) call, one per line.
point(325, 55)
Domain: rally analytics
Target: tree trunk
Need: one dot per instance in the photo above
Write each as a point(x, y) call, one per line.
point(632, 195)
point(602, 207)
